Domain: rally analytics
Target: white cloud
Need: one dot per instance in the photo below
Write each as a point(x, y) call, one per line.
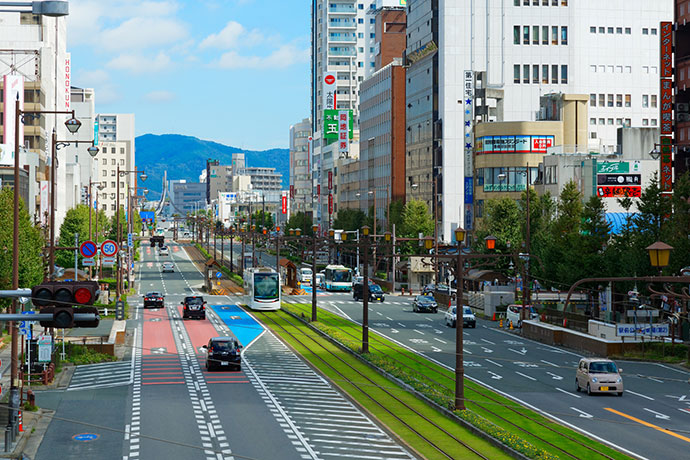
point(138, 64)
point(99, 80)
point(141, 33)
point(157, 97)
point(232, 36)
point(283, 57)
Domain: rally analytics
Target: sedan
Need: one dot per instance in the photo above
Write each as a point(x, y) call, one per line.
point(168, 267)
point(223, 352)
point(153, 299)
point(468, 318)
point(424, 303)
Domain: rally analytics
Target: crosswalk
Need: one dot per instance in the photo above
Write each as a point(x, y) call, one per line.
point(103, 375)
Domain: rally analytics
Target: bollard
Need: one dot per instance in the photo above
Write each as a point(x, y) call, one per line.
point(8, 442)
point(511, 325)
point(20, 424)
point(500, 323)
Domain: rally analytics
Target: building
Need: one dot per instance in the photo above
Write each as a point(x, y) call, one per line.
point(682, 87)
point(186, 197)
point(7, 180)
point(81, 167)
point(300, 162)
point(467, 58)
point(266, 182)
point(116, 144)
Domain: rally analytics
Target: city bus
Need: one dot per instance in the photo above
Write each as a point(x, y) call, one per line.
point(262, 288)
point(338, 278)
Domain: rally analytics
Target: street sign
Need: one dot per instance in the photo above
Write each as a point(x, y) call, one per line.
point(109, 248)
point(88, 249)
point(129, 240)
point(644, 329)
point(219, 274)
point(88, 262)
point(108, 261)
point(45, 348)
point(85, 437)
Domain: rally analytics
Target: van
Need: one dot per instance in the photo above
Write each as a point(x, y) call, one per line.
point(514, 314)
point(598, 375)
point(304, 275)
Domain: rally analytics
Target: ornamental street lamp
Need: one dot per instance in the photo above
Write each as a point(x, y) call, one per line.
point(122, 173)
point(659, 254)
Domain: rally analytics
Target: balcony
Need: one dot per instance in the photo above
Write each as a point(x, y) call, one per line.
point(348, 9)
point(349, 39)
point(346, 52)
point(342, 25)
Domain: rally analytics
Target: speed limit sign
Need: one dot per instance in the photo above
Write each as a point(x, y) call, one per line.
point(109, 248)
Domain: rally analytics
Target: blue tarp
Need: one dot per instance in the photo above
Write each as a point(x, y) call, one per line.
point(618, 220)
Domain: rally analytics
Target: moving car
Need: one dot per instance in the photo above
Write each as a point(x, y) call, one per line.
point(223, 352)
point(513, 313)
point(598, 375)
point(168, 267)
point(375, 292)
point(193, 307)
point(468, 318)
point(321, 280)
point(441, 289)
point(424, 303)
point(153, 299)
point(163, 251)
point(304, 275)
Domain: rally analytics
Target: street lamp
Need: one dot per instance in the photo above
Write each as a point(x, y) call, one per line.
point(659, 254)
point(122, 173)
point(459, 349)
point(365, 291)
point(314, 230)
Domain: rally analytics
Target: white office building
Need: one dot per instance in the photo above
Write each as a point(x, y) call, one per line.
point(521, 49)
point(116, 144)
point(81, 168)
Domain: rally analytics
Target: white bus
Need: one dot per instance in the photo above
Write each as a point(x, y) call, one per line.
point(338, 278)
point(262, 288)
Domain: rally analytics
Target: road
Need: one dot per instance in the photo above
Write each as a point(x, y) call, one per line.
point(162, 403)
point(651, 420)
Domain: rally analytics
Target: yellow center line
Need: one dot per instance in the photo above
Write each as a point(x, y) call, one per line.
point(650, 425)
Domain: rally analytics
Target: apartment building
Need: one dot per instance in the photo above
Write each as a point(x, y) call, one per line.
point(81, 167)
point(117, 150)
point(300, 161)
point(682, 87)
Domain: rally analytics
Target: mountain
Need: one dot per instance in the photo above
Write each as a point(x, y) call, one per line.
point(184, 157)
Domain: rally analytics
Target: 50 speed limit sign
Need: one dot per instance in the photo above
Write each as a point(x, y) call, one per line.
point(109, 248)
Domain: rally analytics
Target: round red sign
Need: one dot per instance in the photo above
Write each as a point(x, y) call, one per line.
point(330, 79)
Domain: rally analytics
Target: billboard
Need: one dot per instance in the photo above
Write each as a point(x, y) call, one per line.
point(331, 128)
point(329, 91)
point(513, 144)
point(614, 191)
point(619, 179)
point(344, 133)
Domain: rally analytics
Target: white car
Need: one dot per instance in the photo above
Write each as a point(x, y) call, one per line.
point(304, 275)
point(468, 318)
point(513, 313)
point(168, 267)
point(163, 251)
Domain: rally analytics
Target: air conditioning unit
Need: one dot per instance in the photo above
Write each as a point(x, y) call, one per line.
point(682, 107)
point(682, 117)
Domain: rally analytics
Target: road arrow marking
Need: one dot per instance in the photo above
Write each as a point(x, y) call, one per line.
point(582, 414)
point(394, 331)
point(682, 398)
point(435, 349)
point(657, 414)
point(438, 331)
point(487, 350)
point(554, 376)
point(495, 376)
point(521, 352)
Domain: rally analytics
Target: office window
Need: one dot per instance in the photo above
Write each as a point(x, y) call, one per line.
point(516, 3)
point(602, 121)
point(619, 122)
point(516, 73)
point(535, 2)
point(113, 184)
point(564, 2)
point(609, 121)
point(525, 35)
point(545, 3)
point(592, 121)
point(602, 68)
point(105, 173)
point(105, 161)
point(627, 123)
point(645, 31)
point(112, 206)
point(593, 135)
point(554, 35)
point(619, 30)
point(609, 100)
point(535, 74)
point(554, 74)
point(535, 35)
point(628, 69)
point(516, 35)
point(592, 100)
point(113, 162)
point(122, 162)
point(360, 20)
point(602, 30)
point(525, 73)
point(628, 31)
point(609, 30)
point(113, 150)
point(628, 100)
point(645, 122)
point(653, 69)
point(545, 74)
point(653, 31)
point(564, 74)
point(564, 35)
point(112, 173)
point(619, 100)
point(602, 100)
point(593, 68)
point(610, 69)
point(544, 35)
point(653, 121)
point(592, 30)
point(645, 69)
point(645, 101)
point(122, 150)
point(654, 101)
point(619, 69)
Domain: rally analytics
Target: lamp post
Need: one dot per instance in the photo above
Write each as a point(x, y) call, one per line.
point(459, 359)
point(232, 237)
point(118, 230)
point(434, 211)
point(314, 230)
point(365, 291)
point(659, 254)
point(278, 249)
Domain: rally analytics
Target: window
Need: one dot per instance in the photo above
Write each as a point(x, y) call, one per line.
point(610, 69)
point(516, 73)
point(619, 69)
point(609, 121)
point(554, 35)
point(122, 150)
point(602, 68)
point(554, 74)
point(628, 69)
point(619, 100)
point(525, 73)
point(122, 184)
point(628, 31)
point(602, 30)
point(653, 31)
point(609, 30)
point(372, 21)
point(654, 101)
point(544, 35)
point(113, 150)
point(592, 121)
point(564, 35)
point(122, 162)
point(535, 74)
point(610, 100)
point(592, 30)
point(516, 35)
point(112, 207)
point(105, 161)
point(592, 100)
point(602, 100)
point(602, 121)
point(653, 121)
point(645, 31)
point(628, 100)
point(593, 68)
point(619, 30)
point(535, 35)
point(105, 173)
point(619, 122)
point(593, 135)
point(627, 122)
point(360, 20)
point(653, 69)
point(545, 74)
point(113, 162)
point(112, 173)
point(113, 184)
point(645, 122)
point(564, 74)
point(645, 69)
point(645, 101)
point(525, 35)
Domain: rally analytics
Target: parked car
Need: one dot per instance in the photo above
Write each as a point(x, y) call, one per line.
point(194, 306)
point(375, 292)
point(424, 303)
point(598, 375)
point(468, 318)
point(154, 299)
point(223, 352)
point(440, 288)
point(514, 312)
point(168, 267)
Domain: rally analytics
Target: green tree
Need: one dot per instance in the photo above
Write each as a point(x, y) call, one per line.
point(76, 222)
point(416, 219)
point(395, 213)
point(31, 264)
point(262, 219)
point(502, 220)
point(350, 219)
point(300, 220)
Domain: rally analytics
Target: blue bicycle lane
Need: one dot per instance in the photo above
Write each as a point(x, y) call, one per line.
point(242, 325)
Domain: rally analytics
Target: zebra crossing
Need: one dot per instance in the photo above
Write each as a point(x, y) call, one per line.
point(103, 375)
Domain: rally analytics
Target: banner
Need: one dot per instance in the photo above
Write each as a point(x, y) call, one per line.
point(631, 330)
point(6, 155)
point(666, 106)
point(666, 164)
point(68, 83)
point(613, 167)
point(608, 191)
point(329, 92)
point(13, 90)
point(666, 50)
point(344, 132)
point(331, 127)
point(44, 192)
point(514, 144)
point(330, 180)
point(330, 203)
point(284, 204)
point(619, 179)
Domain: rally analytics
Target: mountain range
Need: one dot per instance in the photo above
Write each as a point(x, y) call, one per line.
point(184, 157)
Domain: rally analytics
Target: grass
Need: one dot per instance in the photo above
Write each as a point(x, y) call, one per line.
point(369, 394)
point(660, 352)
point(438, 384)
point(80, 354)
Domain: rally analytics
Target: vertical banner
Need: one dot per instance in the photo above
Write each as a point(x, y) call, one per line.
point(95, 132)
point(292, 191)
point(468, 141)
point(666, 106)
point(666, 164)
point(284, 203)
point(68, 82)
point(329, 92)
point(13, 90)
point(343, 132)
point(44, 194)
point(330, 204)
point(666, 50)
point(330, 180)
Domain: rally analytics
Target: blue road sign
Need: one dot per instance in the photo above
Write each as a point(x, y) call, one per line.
point(86, 437)
point(129, 240)
point(88, 249)
point(219, 274)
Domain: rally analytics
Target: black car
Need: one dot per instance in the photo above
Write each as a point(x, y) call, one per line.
point(424, 303)
point(154, 299)
point(375, 292)
point(194, 307)
point(223, 352)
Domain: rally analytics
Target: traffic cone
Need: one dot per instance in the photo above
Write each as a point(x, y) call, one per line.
point(511, 325)
point(494, 317)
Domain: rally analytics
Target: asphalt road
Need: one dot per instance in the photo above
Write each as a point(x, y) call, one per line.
point(651, 420)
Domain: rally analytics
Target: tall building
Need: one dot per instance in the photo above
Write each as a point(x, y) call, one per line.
point(186, 197)
point(266, 182)
point(116, 144)
point(463, 55)
point(81, 167)
point(682, 75)
point(300, 178)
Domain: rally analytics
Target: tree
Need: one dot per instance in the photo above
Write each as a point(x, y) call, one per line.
point(416, 219)
point(76, 222)
point(31, 263)
point(395, 212)
point(350, 219)
point(262, 219)
point(300, 220)
point(503, 217)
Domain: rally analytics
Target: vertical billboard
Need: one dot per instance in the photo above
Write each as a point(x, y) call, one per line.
point(67, 91)
point(343, 133)
point(13, 91)
point(329, 91)
point(468, 142)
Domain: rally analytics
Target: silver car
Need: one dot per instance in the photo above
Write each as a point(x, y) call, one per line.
point(168, 267)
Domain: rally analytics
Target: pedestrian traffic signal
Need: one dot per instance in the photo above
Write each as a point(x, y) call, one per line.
point(60, 298)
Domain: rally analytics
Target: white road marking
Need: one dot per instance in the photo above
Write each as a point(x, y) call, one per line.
point(525, 376)
point(494, 363)
point(568, 393)
point(657, 414)
point(495, 376)
point(440, 340)
point(640, 395)
point(582, 414)
point(549, 363)
point(488, 341)
point(522, 352)
point(555, 376)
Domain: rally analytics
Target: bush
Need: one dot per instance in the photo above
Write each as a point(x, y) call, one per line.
point(80, 354)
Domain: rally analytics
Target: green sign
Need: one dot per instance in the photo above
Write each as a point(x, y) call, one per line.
point(613, 167)
point(330, 123)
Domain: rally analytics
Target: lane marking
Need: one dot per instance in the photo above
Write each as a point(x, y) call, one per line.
point(582, 414)
point(568, 393)
point(647, 424)
point(638, 394)
point(493, 362)
point(657, 414)
point(549, 363)
point(525, 376)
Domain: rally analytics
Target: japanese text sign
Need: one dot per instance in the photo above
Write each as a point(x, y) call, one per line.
point(666, 164)
point(332, 124)
point(666, 106)
point(613, 191)
point(666, 50)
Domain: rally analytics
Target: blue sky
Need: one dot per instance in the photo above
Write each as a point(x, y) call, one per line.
point(231, 71)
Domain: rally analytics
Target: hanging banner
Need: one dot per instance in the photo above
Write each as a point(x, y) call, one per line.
point(330, 180)
point(666, 106)
point(666, 49)
point(666, 164)
point(329, 92)
point(68, 82)
point(284, 204)
point(44, 192)
point(331, 128)
point(343, 132)
point(330, 203)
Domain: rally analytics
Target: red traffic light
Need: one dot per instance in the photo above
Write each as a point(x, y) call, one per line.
point(65, 294)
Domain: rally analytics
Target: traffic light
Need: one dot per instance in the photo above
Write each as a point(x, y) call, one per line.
point(60, 298)
point(157, 240)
